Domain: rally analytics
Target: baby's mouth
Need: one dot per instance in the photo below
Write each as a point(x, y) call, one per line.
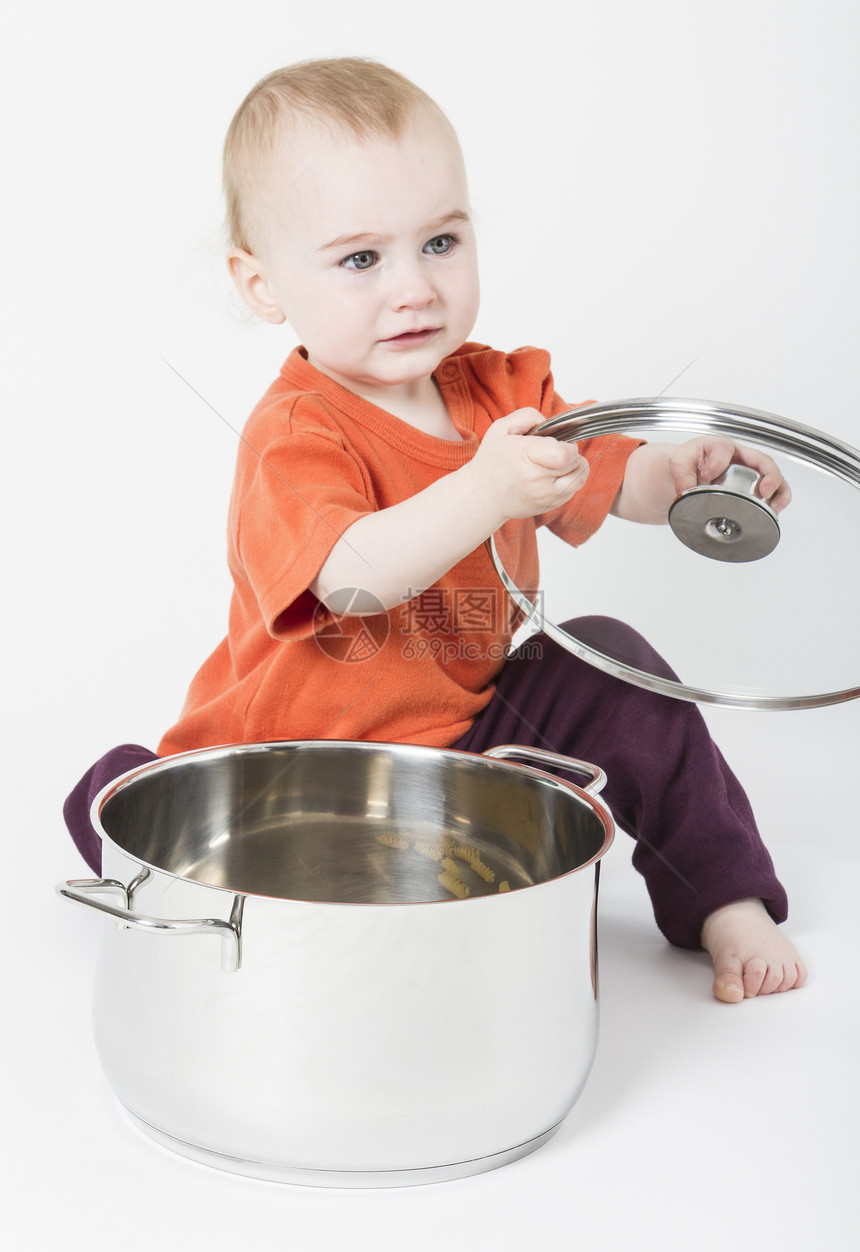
point(414, 336)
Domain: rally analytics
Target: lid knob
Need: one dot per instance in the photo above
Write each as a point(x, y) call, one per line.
point(725, 520)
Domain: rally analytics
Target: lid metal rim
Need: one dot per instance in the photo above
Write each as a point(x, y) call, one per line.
point(623, 417)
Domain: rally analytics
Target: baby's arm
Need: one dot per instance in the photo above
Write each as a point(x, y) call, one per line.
point(397, 552)
point(658, 472)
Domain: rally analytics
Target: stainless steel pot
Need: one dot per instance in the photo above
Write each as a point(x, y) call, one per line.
point(407, 983)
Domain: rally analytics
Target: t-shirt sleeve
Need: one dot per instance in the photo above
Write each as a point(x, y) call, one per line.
point(529, 381)
point(586, 511)
point(607, 457)
point(305, 491)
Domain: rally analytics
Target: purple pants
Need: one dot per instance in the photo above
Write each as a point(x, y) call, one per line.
point(697, 844)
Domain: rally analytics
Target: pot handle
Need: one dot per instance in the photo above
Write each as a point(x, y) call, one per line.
point(598, 777)
point(82, 891)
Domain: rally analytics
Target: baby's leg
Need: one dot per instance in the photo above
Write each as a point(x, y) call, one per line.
point(76, 809)
point(751, 955)
point(697, 843)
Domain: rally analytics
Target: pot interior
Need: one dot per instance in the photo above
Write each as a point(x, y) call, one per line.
point(353, 823)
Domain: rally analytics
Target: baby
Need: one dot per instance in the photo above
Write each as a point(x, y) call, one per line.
point(369, 477)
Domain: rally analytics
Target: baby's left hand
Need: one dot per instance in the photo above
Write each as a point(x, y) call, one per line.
point(700, 461)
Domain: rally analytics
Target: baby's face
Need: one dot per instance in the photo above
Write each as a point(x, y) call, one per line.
point(368, 251)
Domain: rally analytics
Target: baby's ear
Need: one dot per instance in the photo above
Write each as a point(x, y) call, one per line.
point(247, 273)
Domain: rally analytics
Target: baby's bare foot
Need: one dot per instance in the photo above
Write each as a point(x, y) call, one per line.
point(751, 955)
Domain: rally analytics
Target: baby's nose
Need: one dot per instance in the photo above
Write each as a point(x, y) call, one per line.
point(411, 288)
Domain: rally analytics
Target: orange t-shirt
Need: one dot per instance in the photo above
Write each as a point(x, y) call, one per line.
point(313, 459)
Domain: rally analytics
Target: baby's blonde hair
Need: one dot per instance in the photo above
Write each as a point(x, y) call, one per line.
point(349, 94)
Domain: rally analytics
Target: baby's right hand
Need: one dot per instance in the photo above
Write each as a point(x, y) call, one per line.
point(522, 475)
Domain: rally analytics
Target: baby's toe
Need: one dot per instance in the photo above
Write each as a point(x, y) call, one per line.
point(760, 978)
point(793, 975)
point(764, 979)
point(729, 980)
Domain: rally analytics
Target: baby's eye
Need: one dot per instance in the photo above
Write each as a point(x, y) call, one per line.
point(441, 244)
point(360, 261)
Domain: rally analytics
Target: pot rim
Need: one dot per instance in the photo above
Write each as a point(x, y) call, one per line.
point(163, 764)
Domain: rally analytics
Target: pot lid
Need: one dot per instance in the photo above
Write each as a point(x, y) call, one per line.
point(749, 610)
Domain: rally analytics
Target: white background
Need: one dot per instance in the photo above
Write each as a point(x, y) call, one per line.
point(659, 187)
